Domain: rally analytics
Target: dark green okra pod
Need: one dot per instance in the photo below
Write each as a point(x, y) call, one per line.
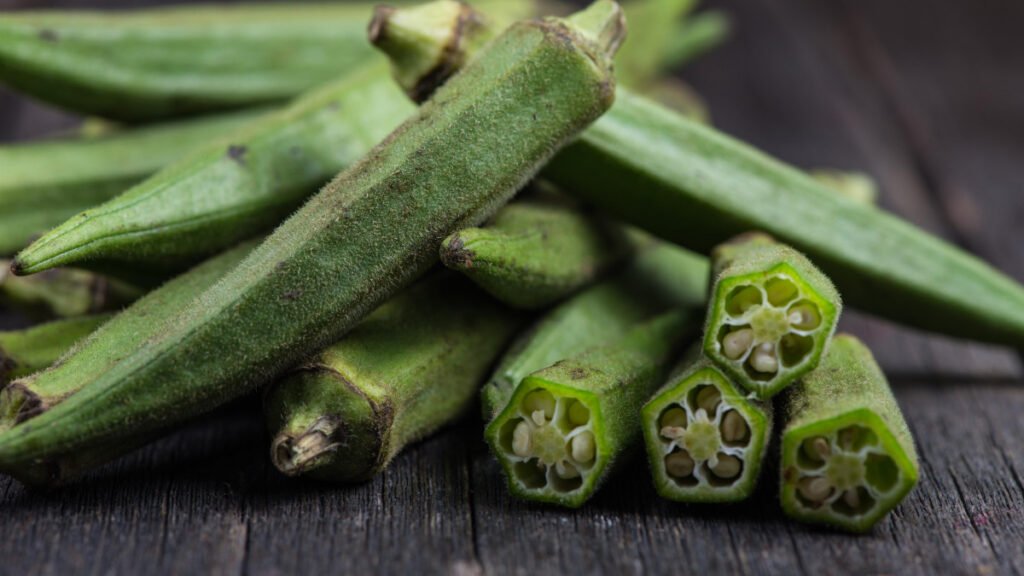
point(64, 292)
point(127, 332)
point(660, 277)
point(847, 454)
point(409, 368)
point(364, 237)
point(693, 185)
point(567, 427)
point(535, 253)
point(25, 351)
point(44, 183)
point(705, 437)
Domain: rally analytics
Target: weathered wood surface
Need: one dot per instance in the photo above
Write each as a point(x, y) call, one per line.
point(925, 96)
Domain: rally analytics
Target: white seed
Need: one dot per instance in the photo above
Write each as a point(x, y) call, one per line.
point(763, 359)
point(521, 440)
point(734, 428)
point(727, 466)
point(538, 417)
point(540, 400)
point(817, 449)
point(582, 448)
point(566, 470)
point(852, 498)
point(673, 432)
point(804, 317)
point(815, 489)
point(735, 344)
point(708, 399)
point(679, 464)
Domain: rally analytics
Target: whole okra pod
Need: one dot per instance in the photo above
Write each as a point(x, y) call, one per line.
point(533, 254)
point(126, 333)
point(771, 314)
point(64, 292)
point(847, 454)
point(365, 236)
point(28, 350)
point(44, 183)
point(693, 185)
point(705, 437)
point(569, 426)
point(412, 366)
point(659, 278)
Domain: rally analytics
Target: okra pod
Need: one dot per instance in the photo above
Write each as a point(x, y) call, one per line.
point(534, 253)
point(705, 437)
point(643, 58)
point(412, 366)
point(690, 184)
point(660, 277)
point(25, 351)
point(44, 183)
point(64, 292)
point(126, 333)
point(696, 36)
point(847, 454)
point(369, 233)
point(854, 185)
point(771, 314)
point(567, 427)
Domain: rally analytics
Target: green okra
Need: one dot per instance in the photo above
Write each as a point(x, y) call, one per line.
point(64, 292)
point(28, 350)
point(660, 277)
point(771, 314)
point(569, 426)
point(699, 34)
point(690, 184)
point(644, 57)
point(412, 366)
point(44, 183)
point(533, 254)
point(847, 454)
point(854, 185)
point(127, 332)
point(705, 437)
point(370, 232)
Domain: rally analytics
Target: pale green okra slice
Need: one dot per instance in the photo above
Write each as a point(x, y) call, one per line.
point(847, 454)
point(28, 350)
point(568, 427)
point(705, 437)
point(771, 314)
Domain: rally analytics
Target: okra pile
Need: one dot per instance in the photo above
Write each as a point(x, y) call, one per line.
point(273, 199)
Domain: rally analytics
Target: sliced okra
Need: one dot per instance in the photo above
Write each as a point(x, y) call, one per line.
point(771, 314)
point(567, 427)
point(25, 351)
point(705, 437)
point(847, 454)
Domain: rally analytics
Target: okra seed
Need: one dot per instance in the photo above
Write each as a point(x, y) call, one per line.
point(763, 359)
point(735, 344)
point(538, 417)
point(566, 470)
point(540, 400)
point(780, 291)
point(816, 489)
point(673, 432)
point(675, 417)
point(583, 448)
point(817, 448)
point(734, 427)
point(578, 414)
point(679, 464)
point(708, 398)
point(742, 299)
point(521, 440)
point(852, 498)
point(804, 316)
point(727, 466)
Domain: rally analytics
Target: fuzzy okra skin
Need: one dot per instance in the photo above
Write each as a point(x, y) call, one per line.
point(44, 183)
point(705, 437)
point(25, 351)
point(412, 366)
point(533, 254)
point(64, 292)
point(770, 316)
point(366, 235)
point(232, 188)
point(847, 454)
point(127, 332)
point(569, 426)
point(660, 277)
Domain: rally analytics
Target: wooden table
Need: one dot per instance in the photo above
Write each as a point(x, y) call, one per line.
point(925, 96)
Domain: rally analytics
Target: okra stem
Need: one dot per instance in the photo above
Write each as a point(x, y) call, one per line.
point(370, 232)
point(705, 438)
point(771, 314)
point(412, 366)
point(567, 427)
point(847, 454)
point(64, 292)
point(533, 254)
point(25, 351)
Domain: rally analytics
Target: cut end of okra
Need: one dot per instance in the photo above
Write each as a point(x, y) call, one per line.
point(705, 440)
point(770, 319)
point(847, 472)
point(548, 441)
point(298, 453)
point(604, 23)
point(17, 404)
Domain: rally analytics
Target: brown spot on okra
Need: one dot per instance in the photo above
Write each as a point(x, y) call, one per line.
point(19, 403)
point(237, 153)
point(455, 255)
point(48, 35)
point(292, 295)
point(578, 373)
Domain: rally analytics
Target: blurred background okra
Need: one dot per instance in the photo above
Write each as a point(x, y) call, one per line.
point(25, 351)
point(64, 293)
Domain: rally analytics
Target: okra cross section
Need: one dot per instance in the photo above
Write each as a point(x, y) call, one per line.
point(771, 314)
point(705, 438)
point(847, 454)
